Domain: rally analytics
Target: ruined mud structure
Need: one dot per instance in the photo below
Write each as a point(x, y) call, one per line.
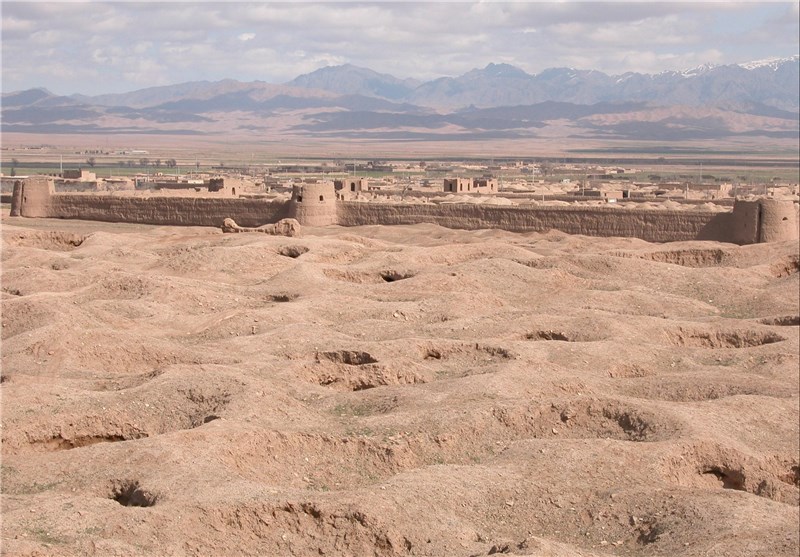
point(752, 221)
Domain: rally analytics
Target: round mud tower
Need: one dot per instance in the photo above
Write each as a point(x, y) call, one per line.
point(778, 220)
point(314, 204)
point(36, 193)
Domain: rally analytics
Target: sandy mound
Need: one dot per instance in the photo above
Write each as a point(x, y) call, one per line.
point(391, 391)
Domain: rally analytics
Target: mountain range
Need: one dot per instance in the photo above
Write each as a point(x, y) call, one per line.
point(499, 101)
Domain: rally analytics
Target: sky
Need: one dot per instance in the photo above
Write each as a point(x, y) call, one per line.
point(111, 47)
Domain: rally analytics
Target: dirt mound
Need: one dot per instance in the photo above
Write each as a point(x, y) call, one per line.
point(714, 339)
point(692, 257)
point(395, 391)
point(367, 277)
point(786, 266)
point(356, 371)
point(48, 240)
point(586, 418)
point(710, 466)
point(782, 321)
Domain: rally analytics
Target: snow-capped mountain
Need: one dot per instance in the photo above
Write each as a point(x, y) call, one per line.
point(771, 63)
point(498, 101)
point(771, 82)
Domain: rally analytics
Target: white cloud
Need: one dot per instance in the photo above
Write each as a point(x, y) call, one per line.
point(129, 43)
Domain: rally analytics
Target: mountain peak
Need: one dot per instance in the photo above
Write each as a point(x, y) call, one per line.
point(772, 63)
point(347, 79)
point(28, 96)
point(504, 70)
point(699, 70)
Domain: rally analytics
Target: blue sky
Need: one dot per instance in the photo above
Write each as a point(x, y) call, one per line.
point(102, 47)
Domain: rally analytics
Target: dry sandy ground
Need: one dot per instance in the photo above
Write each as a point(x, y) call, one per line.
point(238, 147)
point(388, 391)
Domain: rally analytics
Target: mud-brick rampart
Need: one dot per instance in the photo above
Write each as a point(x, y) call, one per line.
point(751, 221)
point(178, 211)
point(650, 225)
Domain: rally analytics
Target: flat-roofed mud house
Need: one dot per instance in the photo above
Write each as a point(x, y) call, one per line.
point(470, 185)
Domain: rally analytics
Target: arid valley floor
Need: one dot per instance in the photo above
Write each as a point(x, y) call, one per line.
point(389, 391)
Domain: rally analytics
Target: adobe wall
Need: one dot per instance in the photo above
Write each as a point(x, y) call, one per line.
point(751, 221)
point(744, 227)
point(177, 211)
point(649, 225)
point(16, 199)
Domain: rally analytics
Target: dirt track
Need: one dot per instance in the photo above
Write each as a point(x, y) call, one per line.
point(407, 390)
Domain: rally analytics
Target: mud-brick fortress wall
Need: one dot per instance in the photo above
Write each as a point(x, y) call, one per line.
point(650, 225)
point(38, 200)
point(761, 220)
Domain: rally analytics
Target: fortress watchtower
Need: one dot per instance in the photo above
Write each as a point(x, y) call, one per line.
point(31, 197)
point(763, 220)
point(313, 204)
point(779, 221)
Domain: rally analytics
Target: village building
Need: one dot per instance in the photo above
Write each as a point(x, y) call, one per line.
point(470, 185)
point(79, 174)
point(351, 184)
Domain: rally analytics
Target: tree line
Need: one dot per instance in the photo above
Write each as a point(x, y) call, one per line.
point(143, 162)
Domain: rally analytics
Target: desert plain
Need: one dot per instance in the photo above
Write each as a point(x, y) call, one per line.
point(408, 390)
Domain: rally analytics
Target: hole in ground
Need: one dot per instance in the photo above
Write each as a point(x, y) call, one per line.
point(129, 493)
point(280, 298)
point(724, 339)
point(782, 321)
point(61, 444)
point(548, 335)
point(392, 275)
point(649, 533)
point(126, 382)
point(292, 251)
point(207, 406)
point(585, 419)
point(433, 354)
point(786, 267)
point(688, 257)
point(360, 378)
point(633, 425)
point(728, 479)
point(52, 240)
point(349, 357)
point(465, 352)
point(792, 476)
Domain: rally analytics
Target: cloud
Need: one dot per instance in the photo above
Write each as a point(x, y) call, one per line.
point(275, 42)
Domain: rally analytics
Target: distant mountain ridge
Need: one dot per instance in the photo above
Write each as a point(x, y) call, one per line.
point(497, 101)
point(352, 80)
point(773, 82)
